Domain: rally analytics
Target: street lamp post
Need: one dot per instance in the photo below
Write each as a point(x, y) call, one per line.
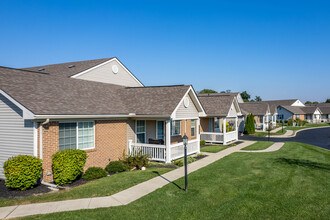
point(185, 142)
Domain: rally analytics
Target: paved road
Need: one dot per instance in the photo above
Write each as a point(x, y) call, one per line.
point(319, 137)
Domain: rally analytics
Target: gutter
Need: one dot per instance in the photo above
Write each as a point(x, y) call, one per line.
point(131, 115)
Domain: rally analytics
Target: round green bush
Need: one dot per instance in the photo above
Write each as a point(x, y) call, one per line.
point(93, 173)
point(202, 142)
point(68, 165)
point(180, 162)
point(115, 167)
point(22, 172)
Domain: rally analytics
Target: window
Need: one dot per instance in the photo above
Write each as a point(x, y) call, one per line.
point(193, 127)
point(297, 116)
point(68, 136)
point(76, 135)
point(140, 131)
point(217, 124)
point(160, 130)
point(176, 128)
point(85, 135)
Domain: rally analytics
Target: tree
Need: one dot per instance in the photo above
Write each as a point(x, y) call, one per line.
point(245, 96)
point(258, 99)
point(228, 91)
point(249, 125)
point(206, 91)
point(327, 101)
point(315, 102)
point(308, 102)
point(223, 92)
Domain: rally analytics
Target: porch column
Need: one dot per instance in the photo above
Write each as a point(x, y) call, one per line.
point(224, 131)
point(168, 141)
point(236, 127)
point(198, 135)
point(263, 123)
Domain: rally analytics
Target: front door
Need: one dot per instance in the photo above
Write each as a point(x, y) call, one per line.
point(160, 130)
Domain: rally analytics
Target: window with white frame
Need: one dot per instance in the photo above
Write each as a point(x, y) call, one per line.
point(193, 127)
point(76, 135)
point(141, 131)
point(176, 128)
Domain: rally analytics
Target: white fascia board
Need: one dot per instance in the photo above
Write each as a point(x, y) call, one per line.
point(42, 117)
point(27, 114)
point(104, 63)
point(196, 99)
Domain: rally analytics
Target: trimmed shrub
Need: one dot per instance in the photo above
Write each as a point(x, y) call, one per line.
point(115, 167)
point(137, 161)
point(68, 165)
point(202, 142)
point(249, 125)
point(290, 122)
point(180, 162)
point(285, 121)
point(22, 172)
point(93, 173)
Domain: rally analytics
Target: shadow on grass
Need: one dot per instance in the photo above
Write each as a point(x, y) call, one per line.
point(156, 172)
point(304, 163)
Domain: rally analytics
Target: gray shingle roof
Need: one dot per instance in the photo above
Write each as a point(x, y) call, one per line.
point(273, 104)
point(256, 108)
point(68, 69)
point(216, 103)
point(302, 110)
point(47, 94)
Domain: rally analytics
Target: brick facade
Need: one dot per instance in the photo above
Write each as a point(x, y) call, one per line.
point(185, 128)
point(110, 143)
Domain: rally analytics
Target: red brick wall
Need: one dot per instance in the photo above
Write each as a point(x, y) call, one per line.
point(50, 141)
point(110, 142)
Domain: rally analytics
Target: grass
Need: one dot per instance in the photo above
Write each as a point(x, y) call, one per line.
point(291, 183)
point(260, 145)
point(213, 148)
point(101, 187)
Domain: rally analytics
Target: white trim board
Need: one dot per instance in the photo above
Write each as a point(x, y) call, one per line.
point(27, 114)
point(104, 63)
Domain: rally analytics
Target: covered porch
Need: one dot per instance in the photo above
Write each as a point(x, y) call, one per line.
point(221, 130)
point(162, 139)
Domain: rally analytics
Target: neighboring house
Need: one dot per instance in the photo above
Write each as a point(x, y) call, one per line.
point(311, 114)
point(325, 111)
point(261, 112)
point(98, 106)
point(220, 109)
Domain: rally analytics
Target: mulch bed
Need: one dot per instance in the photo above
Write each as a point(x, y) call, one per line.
point(162, 166)
point(9, 193)
point(76, 183)
point(200, 157)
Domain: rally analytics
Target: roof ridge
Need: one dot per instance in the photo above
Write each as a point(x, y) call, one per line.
point(6, 67)
point(140, 87)
point(69, 62)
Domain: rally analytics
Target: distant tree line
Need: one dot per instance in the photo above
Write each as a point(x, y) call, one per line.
point(245, 95)
point(309, 102)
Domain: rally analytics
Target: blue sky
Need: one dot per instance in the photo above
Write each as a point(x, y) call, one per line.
point(274, 49)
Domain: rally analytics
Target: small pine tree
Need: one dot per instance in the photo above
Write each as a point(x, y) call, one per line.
point(249, 125)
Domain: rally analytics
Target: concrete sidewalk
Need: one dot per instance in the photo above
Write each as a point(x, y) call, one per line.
point(274, 147)
point(121, 198)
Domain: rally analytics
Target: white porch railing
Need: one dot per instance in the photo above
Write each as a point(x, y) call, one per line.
point(157, 152)
point(215, 137)
point(177, 150)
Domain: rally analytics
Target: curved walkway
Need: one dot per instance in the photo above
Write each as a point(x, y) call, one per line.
point(121, 198)
point(274, 147)
point(319, 137)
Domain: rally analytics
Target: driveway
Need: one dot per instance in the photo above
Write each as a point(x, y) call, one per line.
point(319, 137)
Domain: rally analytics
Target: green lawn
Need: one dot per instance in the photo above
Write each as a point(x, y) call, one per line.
point(101, 187)
point(265, 134)
point(260, 145)
point(308, 125)
point(213, 148)
point(291, 183)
